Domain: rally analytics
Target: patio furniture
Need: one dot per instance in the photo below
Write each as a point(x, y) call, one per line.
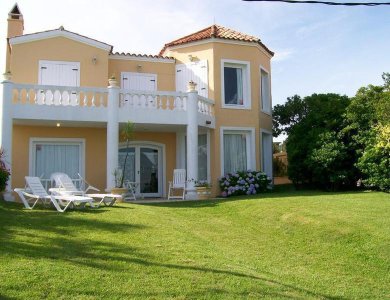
point(179, 182)
point(65, 186)
point(63, 181)
point(35, 191)
point(131, 188)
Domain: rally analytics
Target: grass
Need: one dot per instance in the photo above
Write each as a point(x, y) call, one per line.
point(285, 244)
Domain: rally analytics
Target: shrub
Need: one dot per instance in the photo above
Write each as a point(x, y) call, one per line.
point(4, 173)
point(243, 183)
point(280, 169)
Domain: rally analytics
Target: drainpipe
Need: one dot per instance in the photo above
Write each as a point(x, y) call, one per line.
point(192, 140)
point(112, 131)
point(6, 130)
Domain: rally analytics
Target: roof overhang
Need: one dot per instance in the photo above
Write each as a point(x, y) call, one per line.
point(264, 50)
point(59, 33)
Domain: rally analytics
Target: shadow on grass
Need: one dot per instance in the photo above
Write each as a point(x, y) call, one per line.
point(279, 194)
point(47, 236)
point(51, 237)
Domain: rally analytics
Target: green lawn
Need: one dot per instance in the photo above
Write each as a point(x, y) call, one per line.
point(284, 244)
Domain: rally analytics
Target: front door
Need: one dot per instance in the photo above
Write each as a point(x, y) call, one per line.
point(144, 166)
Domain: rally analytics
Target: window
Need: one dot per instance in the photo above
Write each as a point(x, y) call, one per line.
point(62, 155)
point(60, 73)
point(265, 92)
point(235, 84)
point(202, 156)
point(266, 152)
point(237, 150)
point(196, 71)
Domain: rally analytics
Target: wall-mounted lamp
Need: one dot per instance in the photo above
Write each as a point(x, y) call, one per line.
point(94, 60)
point(58, 124)
point(139, 68)
point(208, 122)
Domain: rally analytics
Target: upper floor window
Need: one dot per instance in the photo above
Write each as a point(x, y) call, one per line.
point(235, 84)
point(265, 92)
point(60, 73)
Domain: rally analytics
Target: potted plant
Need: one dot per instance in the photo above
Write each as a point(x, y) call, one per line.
point(203, 189)
point(126, 135)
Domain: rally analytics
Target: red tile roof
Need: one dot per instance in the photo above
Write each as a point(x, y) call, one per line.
point(142, 55)
point(216, 31)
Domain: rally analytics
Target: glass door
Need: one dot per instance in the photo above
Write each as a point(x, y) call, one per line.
point(149, 175)
point(143, 165)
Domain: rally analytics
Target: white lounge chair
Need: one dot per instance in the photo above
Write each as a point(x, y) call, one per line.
point(35, 191)
point(179, 182)
point(65, 186)
point(62, 180)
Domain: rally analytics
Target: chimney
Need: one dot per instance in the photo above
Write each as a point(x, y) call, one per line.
point(15, 28)
point(15, 22)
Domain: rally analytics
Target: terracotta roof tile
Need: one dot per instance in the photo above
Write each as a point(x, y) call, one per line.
point(142, 55)
point(216, 31)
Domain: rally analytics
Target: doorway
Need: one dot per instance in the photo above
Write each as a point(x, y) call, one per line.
point(144, 165)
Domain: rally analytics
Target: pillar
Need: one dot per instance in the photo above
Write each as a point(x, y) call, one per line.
point(192, 140)
point(6, 130)
point(112, 131)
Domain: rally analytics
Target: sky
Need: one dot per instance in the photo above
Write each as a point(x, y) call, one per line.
point(317, 48)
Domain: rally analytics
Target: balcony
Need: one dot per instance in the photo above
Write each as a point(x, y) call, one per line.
point(40, 103)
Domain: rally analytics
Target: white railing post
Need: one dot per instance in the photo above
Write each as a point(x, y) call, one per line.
point(192, 140)
point(6, 130)
point(112, 131)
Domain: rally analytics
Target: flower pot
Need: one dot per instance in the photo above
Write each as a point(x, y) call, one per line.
point(119, 191)
point(203, 192)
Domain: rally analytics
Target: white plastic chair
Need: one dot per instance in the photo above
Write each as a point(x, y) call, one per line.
point(65, 186)
point(35, 191)
point(179, 182)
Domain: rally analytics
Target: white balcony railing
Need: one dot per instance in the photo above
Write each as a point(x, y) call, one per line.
point(86, 97)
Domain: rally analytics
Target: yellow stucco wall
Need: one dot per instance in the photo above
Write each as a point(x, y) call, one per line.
point(214, 52)
point(95, 150)
point(165, 71)
point(25, 70)
point(25, 67)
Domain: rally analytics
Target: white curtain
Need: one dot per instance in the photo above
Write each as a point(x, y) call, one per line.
point(52, 158)
point(235, 156)
point(202, 157)
point(265, 99)
point(240, 88)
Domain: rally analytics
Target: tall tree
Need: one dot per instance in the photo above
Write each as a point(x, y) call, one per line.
point(368, 123)
point(317, 153)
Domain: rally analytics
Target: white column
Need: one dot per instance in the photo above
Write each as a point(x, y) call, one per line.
point(6, 130)
point(112, 132)
point(192, 140)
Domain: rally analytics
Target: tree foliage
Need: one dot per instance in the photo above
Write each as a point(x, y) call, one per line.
point(368, 119)
point(333, 140)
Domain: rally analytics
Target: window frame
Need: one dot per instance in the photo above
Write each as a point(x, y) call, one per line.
point(246, 83)
point(250, 145)
point(269, 111)
point(262, 156)
point(57, 141)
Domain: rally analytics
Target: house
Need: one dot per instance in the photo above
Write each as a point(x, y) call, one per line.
point(58, 114)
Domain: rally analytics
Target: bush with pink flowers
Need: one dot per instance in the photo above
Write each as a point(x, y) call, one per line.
point(243, 183)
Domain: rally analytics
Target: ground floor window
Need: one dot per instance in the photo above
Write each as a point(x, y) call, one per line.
point(237, 150)
point(266, 153)
point(62, 155)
